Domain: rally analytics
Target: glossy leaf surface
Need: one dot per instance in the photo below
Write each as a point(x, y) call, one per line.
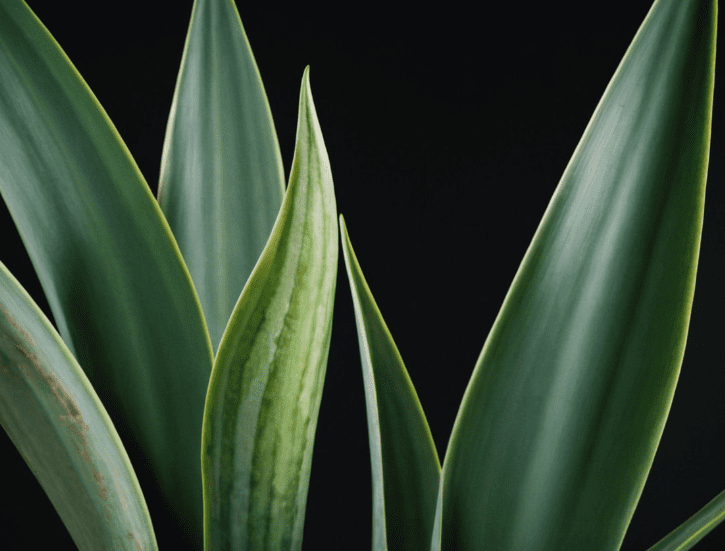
point(559, 425)
point(58, 424)
point(221, 176)
point(695, 528)
point(405, 466)
point(118, 289)
point(265, 389)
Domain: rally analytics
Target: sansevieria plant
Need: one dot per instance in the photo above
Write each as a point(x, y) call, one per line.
point(191, 330)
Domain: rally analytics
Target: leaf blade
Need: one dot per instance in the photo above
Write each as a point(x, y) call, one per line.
point(59, 425)
point(111, 270)
point(405, 465)
point(687, 534)
point(266, 384)
point(221, 181)
point(562, 441)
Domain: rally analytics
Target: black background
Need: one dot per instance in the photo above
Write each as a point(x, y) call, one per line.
point(447, 129)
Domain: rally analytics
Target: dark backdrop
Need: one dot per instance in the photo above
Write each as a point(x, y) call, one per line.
point(447, 131)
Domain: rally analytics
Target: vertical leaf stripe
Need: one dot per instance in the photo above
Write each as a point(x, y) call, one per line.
point(266, 385)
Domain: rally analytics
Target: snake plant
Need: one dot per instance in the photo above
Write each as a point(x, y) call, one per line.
point(174, 396)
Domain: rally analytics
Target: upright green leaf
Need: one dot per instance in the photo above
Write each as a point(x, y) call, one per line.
point(436, 541)
point(221, 176)
point(566, 406)
point(58, 424)
point(115, 280)
point(405, 466)
point(266, 385)
point(687, 534)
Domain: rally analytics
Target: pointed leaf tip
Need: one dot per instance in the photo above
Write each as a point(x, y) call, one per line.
point(558, 427)
point(222, 181)
point(405, 465)
point(267, 379)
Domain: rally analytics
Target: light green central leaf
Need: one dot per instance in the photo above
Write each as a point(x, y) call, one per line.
point(265, 389)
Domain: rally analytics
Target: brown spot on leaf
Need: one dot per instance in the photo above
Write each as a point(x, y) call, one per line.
point(18, 340)
point(102, 484)
point(15, 325)
point(133, 537)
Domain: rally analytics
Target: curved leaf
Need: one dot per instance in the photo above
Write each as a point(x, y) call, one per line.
point(57, 422)
point(405, 466)
point(221, 180)
point(566, 406)
point(266, 385)
point(695, 528)
point(119, 291)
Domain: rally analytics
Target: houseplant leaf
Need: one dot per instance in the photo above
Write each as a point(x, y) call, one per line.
point(221, 180)
point(116, 283)
point(405, 466)
point(265, 388)
point(694, 528)
point(563, 414)
point(54, 418)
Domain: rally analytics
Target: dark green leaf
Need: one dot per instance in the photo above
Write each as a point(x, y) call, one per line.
point(405, 466)
point(118, 288)
point(562, 417)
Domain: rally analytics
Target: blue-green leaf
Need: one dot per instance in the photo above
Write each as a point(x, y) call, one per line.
point(221, 181)
point(57, 422)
